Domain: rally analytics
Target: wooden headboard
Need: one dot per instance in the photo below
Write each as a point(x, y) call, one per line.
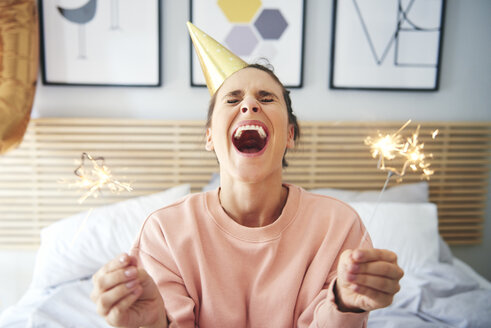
point(154, 155)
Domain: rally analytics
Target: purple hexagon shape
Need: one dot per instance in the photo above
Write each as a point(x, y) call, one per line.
point(241, 40)
point(271, 24)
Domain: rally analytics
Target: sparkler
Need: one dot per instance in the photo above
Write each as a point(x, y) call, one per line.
point(93, 179)
point(392, 147)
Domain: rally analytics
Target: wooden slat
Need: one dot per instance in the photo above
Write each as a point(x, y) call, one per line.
point(155, 155)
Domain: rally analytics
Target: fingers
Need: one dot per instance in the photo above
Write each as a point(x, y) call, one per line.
point(116, 315)
point(372, 273)
point(374, 299)
point(119, 297)
point(114, 282)
point(114, 278)
point(120, 262)
point(376, 269)
point(369, 255)
point(380, 284)
point(379, 268)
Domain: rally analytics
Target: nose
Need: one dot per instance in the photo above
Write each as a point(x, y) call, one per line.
point(249, 104)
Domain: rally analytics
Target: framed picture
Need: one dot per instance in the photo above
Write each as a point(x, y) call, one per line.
point(100, 43)
point(386, 45)
point(265, 32)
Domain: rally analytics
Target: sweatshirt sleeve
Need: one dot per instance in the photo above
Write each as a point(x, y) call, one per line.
point(326, 313)
point(154, 256)
point(323, 310)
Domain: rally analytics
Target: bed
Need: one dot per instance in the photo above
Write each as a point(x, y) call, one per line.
point(165, 160)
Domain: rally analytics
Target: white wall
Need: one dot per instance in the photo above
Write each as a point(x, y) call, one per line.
point(465, 85)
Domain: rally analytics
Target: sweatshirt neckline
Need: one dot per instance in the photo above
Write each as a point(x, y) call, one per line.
point(253, 234)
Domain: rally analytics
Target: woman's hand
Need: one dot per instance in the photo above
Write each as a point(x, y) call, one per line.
point(127, 296)
point(367, 279)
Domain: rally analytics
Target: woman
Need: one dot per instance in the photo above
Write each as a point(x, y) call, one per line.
point(255, 252)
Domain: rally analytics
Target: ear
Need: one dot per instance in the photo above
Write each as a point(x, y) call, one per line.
point(290, 142)
point(209, 140)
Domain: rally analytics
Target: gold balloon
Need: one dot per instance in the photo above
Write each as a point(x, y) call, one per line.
point(19, 53)
point(217, 62)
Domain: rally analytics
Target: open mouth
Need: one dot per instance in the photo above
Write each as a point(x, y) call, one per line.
point(250, 138)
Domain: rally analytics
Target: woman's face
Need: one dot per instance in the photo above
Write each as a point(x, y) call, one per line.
point(249, 128)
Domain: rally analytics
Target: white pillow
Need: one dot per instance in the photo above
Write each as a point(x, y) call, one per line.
point(406, 193)
point(409, 230)
point(72, 249)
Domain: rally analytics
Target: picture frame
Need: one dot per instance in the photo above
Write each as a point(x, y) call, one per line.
point(390, 45)
point(267, 32)
point(100, 43)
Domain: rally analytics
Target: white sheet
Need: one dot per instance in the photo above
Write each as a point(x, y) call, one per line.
point(438, 295)
point(67, 305)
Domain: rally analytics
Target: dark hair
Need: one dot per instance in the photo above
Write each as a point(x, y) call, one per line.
point(292, 119)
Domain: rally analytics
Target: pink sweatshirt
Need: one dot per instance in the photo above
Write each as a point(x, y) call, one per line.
point(213, 272)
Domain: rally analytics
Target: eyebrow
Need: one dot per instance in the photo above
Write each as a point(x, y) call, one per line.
point(264, 93)
point(233, 93)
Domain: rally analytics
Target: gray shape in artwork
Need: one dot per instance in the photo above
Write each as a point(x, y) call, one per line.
point(271, 24)
point(81, 15)
point(241, 40)
point(114, 14)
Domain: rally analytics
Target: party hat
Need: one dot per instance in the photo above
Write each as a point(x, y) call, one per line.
point(217, 62)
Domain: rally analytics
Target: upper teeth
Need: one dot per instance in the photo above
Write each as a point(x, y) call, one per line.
point(243, 128)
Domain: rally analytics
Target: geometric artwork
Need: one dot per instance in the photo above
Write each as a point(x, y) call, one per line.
point(258, 31)
point(108, 42)
point(386, 44)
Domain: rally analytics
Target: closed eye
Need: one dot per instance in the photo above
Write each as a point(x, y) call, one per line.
point(232, 101)
point(266, 96)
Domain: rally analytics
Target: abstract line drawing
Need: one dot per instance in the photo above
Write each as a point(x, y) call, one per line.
point(80, 16)
point(386, 44)
point(402, 21)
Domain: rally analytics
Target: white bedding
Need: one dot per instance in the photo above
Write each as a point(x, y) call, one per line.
point(67, 305)
point(438, 295)
point(438, 290)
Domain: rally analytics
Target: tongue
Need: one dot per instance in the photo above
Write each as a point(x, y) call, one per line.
point(249, 142)
point(250, 146)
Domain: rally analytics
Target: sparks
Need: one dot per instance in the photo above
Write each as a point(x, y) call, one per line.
point(393, 146)
point(95, 178)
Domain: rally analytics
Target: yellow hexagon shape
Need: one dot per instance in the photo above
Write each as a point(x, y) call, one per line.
point(239, 11)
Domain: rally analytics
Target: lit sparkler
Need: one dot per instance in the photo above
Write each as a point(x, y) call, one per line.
point(95, 178)
point(392, 147)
